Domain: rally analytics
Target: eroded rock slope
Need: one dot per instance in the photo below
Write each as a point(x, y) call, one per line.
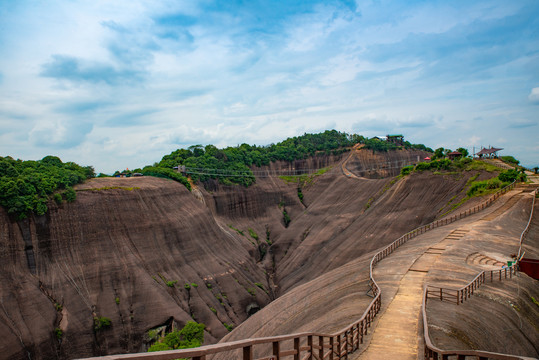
point(146, 253)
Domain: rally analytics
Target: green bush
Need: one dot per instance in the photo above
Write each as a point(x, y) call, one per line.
point(58, 333)
point(70, 194)
point(300, 194)
point(407, 170)
point(510, 159)
point(171, 283)
point(509, 175)
point(101, 323)
point(486, 186)
point(286, 218)
point(253, 234)
point(58, 198)
point(190, 336)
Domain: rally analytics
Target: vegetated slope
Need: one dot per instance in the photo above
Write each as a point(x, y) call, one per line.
point(112, 252)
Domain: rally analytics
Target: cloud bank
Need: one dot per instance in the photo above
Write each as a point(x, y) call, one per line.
point(120, 84)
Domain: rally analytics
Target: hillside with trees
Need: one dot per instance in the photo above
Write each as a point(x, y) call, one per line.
point(26, 186)
point(232, 165)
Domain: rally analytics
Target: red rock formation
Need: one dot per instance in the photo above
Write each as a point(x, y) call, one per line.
point(112, 251)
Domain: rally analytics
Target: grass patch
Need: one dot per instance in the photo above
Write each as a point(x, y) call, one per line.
point(253, 234)
point(286, 218)
point(237, 230)
point(303, 180)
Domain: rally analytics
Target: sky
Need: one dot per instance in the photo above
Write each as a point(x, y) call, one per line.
point(118, 84)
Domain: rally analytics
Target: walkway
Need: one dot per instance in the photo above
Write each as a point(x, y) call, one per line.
point(401, 277)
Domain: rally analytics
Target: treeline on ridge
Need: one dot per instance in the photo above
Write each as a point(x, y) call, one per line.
point(231, 165)
point(27, 186)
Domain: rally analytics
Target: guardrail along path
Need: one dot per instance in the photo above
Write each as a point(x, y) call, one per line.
point(402, 277)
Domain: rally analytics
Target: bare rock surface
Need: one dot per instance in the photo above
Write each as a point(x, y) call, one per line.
point(224, 251)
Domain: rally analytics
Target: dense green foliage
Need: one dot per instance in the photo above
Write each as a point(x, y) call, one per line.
point(26, 186)
point(101, 323)
point(443, 164)
point(510, 159)
point(376, 144)
point(231, 165)
point(192, 335)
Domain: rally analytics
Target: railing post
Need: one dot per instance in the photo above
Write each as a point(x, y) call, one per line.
point(321, 345)
point(362, 330)
point(441, 295)
point(248, 352)
point(310, 344)
point(345, 338)
point(332, 348)
point(276, 350)
point(296, 347)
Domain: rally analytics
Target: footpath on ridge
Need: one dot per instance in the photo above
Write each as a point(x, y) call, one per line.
point(401, 277)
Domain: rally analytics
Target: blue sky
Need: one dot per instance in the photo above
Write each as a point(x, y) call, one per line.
point(118, 84)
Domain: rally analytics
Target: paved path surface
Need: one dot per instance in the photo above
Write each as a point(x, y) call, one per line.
point(401, 277)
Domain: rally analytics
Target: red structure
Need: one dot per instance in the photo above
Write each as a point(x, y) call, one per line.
point(530, 267)
point(453, 155)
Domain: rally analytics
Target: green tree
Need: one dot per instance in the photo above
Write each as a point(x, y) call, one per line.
point(463, 151)
point(190, 336)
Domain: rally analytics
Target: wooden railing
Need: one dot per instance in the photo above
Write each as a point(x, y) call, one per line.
point(458, 296)
point(303, 346)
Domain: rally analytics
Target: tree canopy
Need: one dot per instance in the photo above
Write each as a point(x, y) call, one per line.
point(231, 165)
point(25, 186)
point(190, 336)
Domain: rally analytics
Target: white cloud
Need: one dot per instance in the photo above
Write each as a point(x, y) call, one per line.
point(534, 95)
point(226, 80)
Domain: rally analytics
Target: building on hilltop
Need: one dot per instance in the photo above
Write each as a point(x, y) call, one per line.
point(454, 155)
point(490, 153)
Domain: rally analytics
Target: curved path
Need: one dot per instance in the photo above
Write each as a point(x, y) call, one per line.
point(345, 171)
point(401, 278)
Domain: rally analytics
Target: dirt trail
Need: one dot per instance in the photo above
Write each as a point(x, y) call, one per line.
point(345, 171)
point(401, 278)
